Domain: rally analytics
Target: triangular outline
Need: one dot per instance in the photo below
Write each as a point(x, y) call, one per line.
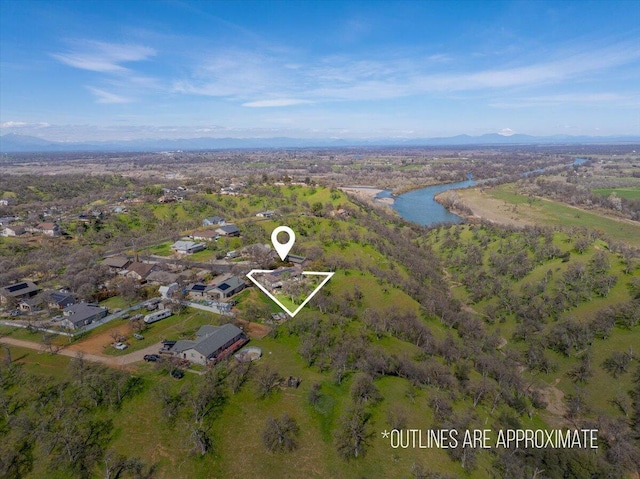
point(284, 308)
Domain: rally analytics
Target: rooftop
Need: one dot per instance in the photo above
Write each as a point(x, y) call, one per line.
point(19, 289)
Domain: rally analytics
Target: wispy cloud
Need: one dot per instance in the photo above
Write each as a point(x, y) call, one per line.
point(104, 57)
point(244, 76)
point(103, 96)
point(23, 124)
point(606, 98)
point(276, 103)
point(13, 124)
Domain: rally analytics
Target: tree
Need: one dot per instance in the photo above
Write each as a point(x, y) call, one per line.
point(238, 375)
point(363, 389)
point(617, 363)
point(353, 434)
point(117, 465)
point(267, 380)
point(397, 417)
point(582, 372)
point(279, 435)
point(314, 394)
point(201, 439)
point(208, 396)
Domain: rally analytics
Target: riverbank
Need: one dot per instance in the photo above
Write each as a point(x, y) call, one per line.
point(504, 205)
point(482, 207)
point(368, 193)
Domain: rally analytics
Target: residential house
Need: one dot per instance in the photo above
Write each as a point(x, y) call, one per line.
point(116, 263)
point(212, 343)
point(61, 300)
point(197, 290)
point(11, 231)
point(168, 291)
point(139, 271)
point(81, 314)
point(18, 291)
point(187, 247)
point(208, 235)
point(295, 259)
point(214, 221)
point(162, 277)
point(5, 220)
point(49, 229)
point(227, 288)
point(274, 279)
point(228, 230)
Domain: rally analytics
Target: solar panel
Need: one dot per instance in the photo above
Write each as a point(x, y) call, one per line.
point(224, 287)
point(17, 287)
point(199, 287)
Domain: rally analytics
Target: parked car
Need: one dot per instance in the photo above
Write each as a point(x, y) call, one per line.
point(152, 358)
point(120, 346)
point(138, 336)
point(177, 373)
point(125, 316)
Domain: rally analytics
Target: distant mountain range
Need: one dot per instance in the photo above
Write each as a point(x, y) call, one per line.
point(13, 143)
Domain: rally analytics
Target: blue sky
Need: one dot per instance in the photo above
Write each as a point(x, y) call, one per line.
point(96, 70)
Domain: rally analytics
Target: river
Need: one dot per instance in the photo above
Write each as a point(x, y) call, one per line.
point(420, 207)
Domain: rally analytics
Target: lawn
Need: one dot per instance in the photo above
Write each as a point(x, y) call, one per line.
point(39, 362)
point(162, 249)
point(180, 326)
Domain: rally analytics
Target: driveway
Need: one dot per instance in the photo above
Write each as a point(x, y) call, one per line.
point(73, 351)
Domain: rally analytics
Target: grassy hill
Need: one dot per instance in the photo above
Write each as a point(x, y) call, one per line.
point(449, 328)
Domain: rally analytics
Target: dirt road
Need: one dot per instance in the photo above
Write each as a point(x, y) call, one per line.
point(73, 351)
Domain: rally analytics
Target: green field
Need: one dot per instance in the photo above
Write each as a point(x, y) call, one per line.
point(387, 311)
point(547, 212)
point(631, 193)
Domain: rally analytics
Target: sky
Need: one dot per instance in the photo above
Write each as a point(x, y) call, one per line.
point(124, 70)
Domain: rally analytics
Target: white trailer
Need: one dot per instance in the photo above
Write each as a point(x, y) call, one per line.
point(157, 316)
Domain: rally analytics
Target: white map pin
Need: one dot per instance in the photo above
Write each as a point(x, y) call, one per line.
point(283, 248)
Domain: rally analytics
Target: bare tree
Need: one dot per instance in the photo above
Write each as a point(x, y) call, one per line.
point(353, 434)
point(267, 380)
point(280, 434)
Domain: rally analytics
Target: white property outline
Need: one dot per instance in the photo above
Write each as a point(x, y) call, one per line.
point(285, 309)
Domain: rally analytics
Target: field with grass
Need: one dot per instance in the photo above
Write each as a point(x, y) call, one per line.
point(631, 193)
point(551, 277)
point(503, 204)
point(451, 328)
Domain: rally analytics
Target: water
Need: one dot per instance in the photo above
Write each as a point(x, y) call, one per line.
point(420, 207)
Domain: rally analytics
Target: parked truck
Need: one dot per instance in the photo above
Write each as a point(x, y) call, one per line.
point(157, 316)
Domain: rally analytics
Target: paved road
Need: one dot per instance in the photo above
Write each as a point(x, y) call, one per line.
point(73, 350)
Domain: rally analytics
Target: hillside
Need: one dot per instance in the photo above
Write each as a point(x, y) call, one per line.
point(464, 327)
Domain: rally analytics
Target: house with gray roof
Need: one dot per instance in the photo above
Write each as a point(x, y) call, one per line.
point(228, 230)
point(214, 221)
point(212, 344)
point(197, 290)
point(227, 288)
point(14, 230)
point(116, 263)
point(187, 247)
point(79, 315)
point(18, 291)
point(60, 300)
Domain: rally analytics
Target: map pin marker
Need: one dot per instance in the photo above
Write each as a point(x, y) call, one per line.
point(283, 248)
